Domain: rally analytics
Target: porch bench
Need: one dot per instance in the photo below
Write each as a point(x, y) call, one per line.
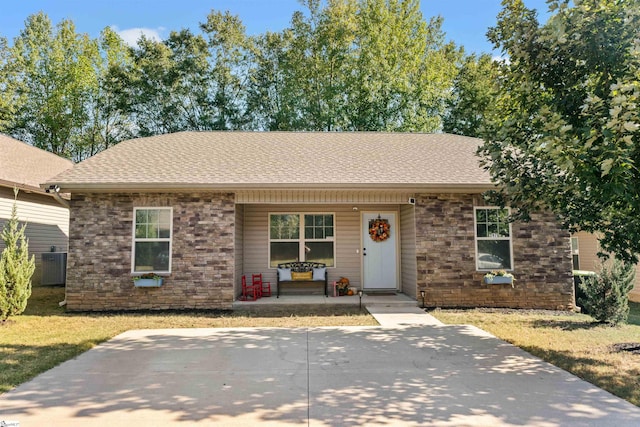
point(302, 273)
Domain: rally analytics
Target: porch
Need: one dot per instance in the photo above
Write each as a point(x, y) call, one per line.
point(388, 300)
point(332, 228)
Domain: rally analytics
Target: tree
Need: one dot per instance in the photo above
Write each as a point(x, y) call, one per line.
point(607, 294)
point(52, 78)
point(473, 96)
point(108, 122)
point(228, 48)
point(16, 268)
point(565, 132)
point(6, 104)
point(354, 65)
point(403, 69)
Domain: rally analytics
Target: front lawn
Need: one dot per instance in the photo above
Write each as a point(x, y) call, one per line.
point(570, 341)
point(45, 335)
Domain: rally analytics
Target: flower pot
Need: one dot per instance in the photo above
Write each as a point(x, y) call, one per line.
point(147, 283)
point(498, 280)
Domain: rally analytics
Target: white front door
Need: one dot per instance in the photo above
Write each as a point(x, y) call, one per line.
point(379, 254)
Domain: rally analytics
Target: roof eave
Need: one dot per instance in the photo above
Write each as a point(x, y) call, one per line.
point(231, 187)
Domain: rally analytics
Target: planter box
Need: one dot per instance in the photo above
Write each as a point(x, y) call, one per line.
point(147, 283)
point(498, 280)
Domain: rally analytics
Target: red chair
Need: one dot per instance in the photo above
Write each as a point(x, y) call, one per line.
point(249, 292)
point(265, 287)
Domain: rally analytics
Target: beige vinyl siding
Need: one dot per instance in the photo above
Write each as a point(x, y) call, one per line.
point(347, 237)
point(587, 251)
point(409, 276)
point(239, 250)
point(588, 248)
point(349, 198)
point(47, 224)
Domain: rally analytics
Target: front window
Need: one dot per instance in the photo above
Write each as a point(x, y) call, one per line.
point(575, 253)
point(152, 232)
point(297, 237)
point(493, 239)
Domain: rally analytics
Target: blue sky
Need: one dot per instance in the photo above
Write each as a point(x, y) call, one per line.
point(465, 21)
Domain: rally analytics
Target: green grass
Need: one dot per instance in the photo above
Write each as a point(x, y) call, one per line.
point(45, 335)
point(573, 342)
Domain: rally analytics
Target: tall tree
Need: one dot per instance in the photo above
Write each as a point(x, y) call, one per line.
point(270, 103)
point(6, 97)
point(565, 134)
point(52, 76)
point(403, 70)
point(108, 122)
point(228, 46)
point(473, 96)
point(355, 65)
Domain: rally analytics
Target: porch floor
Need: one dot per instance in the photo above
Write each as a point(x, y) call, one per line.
point(367, 300)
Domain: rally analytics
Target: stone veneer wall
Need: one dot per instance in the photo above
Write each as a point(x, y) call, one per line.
point(445, 251)
point(100, 243)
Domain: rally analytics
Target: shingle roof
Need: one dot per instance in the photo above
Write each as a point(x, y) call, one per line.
point(26, 166)
point(280, 160)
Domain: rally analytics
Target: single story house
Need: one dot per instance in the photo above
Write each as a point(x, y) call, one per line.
point(46, 215)
point(202, 209)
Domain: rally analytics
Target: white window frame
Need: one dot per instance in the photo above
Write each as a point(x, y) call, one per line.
point(575, 252)
point(476, 238)
point(134, 239)
point(301, 250)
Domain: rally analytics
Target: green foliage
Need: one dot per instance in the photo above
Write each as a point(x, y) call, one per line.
point(16, 268)
point(362, 65)
point(565, 132)
point(374, 65)
point(606, 294)
point(52, 79)
point(473, 96)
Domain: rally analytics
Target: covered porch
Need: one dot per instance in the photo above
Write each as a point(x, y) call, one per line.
point(331, 227)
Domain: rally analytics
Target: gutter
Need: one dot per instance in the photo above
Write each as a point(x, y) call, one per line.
point(236, 187)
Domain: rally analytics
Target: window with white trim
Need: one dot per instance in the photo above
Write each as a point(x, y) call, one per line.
point(575, 253)
point(493, 239)
point(152, 233)
point(301, 237)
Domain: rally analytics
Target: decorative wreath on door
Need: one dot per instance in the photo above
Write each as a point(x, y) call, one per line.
point(379, 229)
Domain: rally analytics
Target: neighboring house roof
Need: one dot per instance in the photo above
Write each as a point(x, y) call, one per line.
point(242, 160)
point(25, 166)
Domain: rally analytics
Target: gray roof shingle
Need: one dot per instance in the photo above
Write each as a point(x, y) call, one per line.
point(24, 165)
point(279, 160)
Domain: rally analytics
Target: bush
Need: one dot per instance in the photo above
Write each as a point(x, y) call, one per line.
point(16, 268)
point(606, 295)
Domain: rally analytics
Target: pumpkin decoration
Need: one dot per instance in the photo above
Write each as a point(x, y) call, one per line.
point(350, 292)
point(342, 286)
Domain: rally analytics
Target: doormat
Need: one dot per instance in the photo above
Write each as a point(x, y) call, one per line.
point(380, 294)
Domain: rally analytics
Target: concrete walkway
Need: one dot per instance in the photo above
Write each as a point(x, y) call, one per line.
point(405, 373)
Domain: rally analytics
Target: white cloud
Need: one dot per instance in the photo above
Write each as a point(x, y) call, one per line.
point(132, 35)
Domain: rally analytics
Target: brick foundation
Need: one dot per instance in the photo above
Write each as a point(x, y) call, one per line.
point(446, 266)
point(100, 243)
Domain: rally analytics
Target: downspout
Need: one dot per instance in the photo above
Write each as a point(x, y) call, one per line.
point(54, 190)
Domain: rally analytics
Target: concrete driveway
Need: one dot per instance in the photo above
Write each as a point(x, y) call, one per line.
point(378, 376)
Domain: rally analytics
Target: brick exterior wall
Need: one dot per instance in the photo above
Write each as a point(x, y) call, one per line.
point(100, 244)
point(445, 251)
